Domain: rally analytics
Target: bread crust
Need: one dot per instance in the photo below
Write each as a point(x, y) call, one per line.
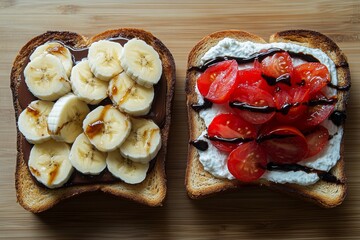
point(200, 183)
point(152, 190)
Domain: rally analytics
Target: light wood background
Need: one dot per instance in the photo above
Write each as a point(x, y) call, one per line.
point(250, 213)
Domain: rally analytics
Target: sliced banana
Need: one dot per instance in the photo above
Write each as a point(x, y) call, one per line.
point(46, 78)
point(104, 59)
point(49, 163)
point(59, 51)
point(141, 62)
point(33, 121)
point(144, 141)
point(85, 85)
point(66, 117)
point(85, 157)
point(125, 169)
point(106, 127)
point(129, 96)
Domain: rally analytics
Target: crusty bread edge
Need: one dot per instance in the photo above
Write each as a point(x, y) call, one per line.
point(303, 37)
point(35, 202)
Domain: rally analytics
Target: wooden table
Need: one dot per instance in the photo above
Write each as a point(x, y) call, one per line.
point(250, 213)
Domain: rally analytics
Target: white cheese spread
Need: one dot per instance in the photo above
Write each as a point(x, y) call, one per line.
point(215, 161)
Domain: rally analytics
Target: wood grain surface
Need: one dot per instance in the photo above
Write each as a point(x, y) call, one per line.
point(253, 213)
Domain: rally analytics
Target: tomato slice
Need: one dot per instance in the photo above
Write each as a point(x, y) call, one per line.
point(247, 162)
point(259, 105)
point(277, 65)
point(289, 102)
point(218, 81)
point(253, 77)
point(315, 115)
point(231, 128)
point(315, 76)
point(317, 140)
point(284, 144)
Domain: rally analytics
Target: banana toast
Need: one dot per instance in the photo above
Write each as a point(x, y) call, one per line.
point(210, 170)
point(150, 188)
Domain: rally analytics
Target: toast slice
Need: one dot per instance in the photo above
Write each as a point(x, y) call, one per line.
point(200, 183)
point(152, 190)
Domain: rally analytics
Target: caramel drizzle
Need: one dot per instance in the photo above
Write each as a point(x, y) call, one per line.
point(98, 125)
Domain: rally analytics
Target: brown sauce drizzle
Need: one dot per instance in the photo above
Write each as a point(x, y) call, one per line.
point(35, 171)
point(200, 144)
point(325, 176)
point(97, 126)
point(229, 140)
point(338, 117)
point(198, 107)
point(259, 56)
point(339, 88)
point(53, 173)
point(285, 108)
point(32, 111)
point(285, 79)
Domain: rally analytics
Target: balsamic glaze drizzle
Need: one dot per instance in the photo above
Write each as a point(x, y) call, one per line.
point(198, 107)
point(229, 140)
point(200, 144)
point(339, 88)
point(284, 109)
point(285, 79)
point(259, 56)
point(323, 175)
point(338, 117)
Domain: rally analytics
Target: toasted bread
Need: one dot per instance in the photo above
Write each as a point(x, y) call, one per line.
point(152, 190)
point(200, 183)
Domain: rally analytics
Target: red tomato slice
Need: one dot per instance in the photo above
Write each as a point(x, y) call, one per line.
point(230, 126)
point(315, 115)
point(315, 75)
point(277, 65)
point(252, 77)
point(218, 81)
point(253, 97)
point(284, 144)
point(317, 140)
point(291, 99)
point(247, 162)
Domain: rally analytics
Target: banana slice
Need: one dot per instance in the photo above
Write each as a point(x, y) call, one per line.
point(104, 59)
point(125, 169)
point(85, 85)
point(129, 96)
point(66, 117)
point(85, 157)
point(59, 51)
point(141, 62)
point(32, 121)
point(49, 163)
point(106, 127)
point(46, 78)
point(144, 141)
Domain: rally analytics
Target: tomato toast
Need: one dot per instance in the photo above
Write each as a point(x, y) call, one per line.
point(269, 114)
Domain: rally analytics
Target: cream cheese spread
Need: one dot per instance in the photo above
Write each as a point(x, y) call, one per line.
point(215, 161)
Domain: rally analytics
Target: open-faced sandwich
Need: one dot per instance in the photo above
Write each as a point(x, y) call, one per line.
point(92, 114)
point(267, 114)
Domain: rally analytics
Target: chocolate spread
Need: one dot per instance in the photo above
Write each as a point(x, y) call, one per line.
point(157, 114)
